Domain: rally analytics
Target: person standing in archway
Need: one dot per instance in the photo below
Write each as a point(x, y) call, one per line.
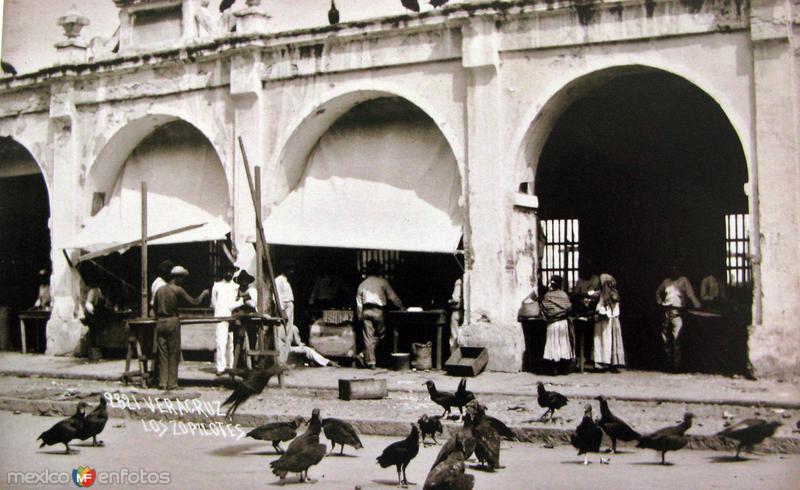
point(556, 307)
point(608, 351)
point(674, 293)
point(373, 296)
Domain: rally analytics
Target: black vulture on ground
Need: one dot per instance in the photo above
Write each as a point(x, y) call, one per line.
point(749, 432)
point(430, 426)
point(304, 452)
point(65, 430)
point(277, 432)
point(588, 436)
point(668, 438)
point(341, 432)
point(225, 5)
point(8, 68)
point(550, 400)
point(449, 474)
point(615, 427)
point(401, 453)
point(95, 422)
point(445, 399)
point(502, 429)
point(462, 395)
point(253, 384)
point(487, 440)
point(467, 437)
point(411, 5)
point(333, 14)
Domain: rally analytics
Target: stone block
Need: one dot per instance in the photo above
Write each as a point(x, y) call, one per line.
point(505, 343)
point(362, 389)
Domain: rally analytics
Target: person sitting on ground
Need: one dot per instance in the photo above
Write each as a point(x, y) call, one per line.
point(291, 342)
point(556, 307)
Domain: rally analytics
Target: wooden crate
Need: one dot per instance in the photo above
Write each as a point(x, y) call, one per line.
point(362, 389)
point(467, 361)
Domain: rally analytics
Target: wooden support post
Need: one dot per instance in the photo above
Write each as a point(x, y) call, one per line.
point(144, 303)
point(262, 299)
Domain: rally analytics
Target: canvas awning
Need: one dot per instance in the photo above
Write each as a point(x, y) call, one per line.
point(394, 186)
point(185, 186)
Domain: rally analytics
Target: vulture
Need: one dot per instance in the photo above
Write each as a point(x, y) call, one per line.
point(487, 440)
point(550, 400)
point(225, 5)
point(8, 68)
point(445, 399)
point(615, 427)
point(277, 432)
point(65, 430)
point(333, 14)
point(340, 432)
point(401, 453)
point(429, 426)
point(749, 432)
point(95, 422)
point(467, 437)
point(668, 438)
point(303, 453)
point(438, 3)
point(588, 436)
point(411, 5)
point(502, 429)
point(449, 474)
point(253, 384)
point(462, 395)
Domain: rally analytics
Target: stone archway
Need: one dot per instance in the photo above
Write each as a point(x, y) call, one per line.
point(649, 167)
point(24, 226)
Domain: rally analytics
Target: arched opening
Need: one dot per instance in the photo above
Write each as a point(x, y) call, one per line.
point(380, 182)
point(25, 247)
point(186, 186)
point(642, 169)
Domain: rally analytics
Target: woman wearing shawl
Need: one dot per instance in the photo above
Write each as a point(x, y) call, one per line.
point(556, 307)
point(608, 350)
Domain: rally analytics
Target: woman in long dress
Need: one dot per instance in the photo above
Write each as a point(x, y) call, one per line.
point(608, 352)
point(558, 345)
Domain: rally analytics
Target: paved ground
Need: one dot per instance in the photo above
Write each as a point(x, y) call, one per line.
point(630, 385)
point(223, 462)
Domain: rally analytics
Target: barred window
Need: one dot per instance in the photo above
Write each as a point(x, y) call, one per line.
point(737, 250)
point(561, 251)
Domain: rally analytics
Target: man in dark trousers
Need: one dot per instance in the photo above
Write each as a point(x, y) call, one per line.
point(373, 296)
point(168, 332)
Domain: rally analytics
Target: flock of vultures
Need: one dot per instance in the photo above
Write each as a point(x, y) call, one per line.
point(480, 433)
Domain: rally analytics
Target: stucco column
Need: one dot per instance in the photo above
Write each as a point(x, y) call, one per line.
point(64, 330)
point(774, 345)
point(486, 230)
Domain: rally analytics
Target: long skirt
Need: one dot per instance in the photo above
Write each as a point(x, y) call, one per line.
point(558, 345)
point(608, 347)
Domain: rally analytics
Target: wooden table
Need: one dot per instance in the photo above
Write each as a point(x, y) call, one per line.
point(38, 315)
point(139, 328)
point(399, 319)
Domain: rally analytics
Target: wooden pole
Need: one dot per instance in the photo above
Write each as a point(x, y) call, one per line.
point(144, 251)
point(109, 250)
point(260, 228)
point(262, 299)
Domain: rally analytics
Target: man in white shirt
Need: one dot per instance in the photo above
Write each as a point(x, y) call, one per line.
point(224, 294)
point(373, 296)
point(674, 294)
point(284, 290)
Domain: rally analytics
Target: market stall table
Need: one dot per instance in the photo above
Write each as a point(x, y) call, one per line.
point(141, 331)
point(426, 318)
point(35, 317)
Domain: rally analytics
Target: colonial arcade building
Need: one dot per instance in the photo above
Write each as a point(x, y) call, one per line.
point(633, 133)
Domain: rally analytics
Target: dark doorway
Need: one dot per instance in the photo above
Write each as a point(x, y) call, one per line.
point(25, 247)
point(650, 166)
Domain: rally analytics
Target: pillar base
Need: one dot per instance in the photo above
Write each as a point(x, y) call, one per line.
point(505, 343)
point(64, 331)
point(774, 351)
